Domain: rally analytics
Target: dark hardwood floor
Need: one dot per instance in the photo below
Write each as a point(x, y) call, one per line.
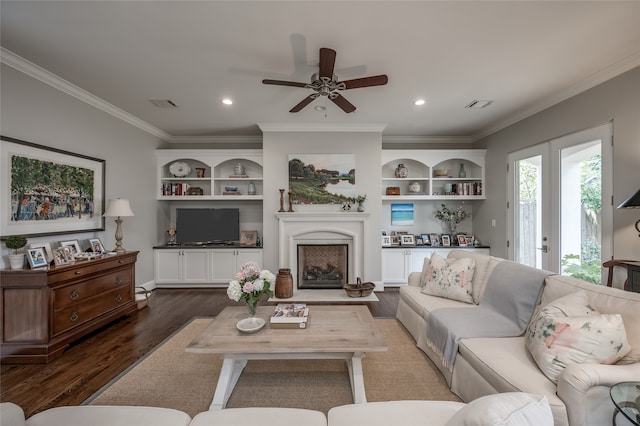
point(93, 361)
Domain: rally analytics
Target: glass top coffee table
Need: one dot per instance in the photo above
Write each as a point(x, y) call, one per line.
point(626, 398)
point(333, 332)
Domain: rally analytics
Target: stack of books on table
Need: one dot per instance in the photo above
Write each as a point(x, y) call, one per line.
point(290, 315)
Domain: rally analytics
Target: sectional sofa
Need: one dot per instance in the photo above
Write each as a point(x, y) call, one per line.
point(577, 388)
point(512, 409)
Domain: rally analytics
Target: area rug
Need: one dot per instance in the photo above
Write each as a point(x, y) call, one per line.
point(170, 377)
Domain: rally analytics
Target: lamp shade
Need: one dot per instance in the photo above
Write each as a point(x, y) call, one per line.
point(118, 207)
point(632, 202)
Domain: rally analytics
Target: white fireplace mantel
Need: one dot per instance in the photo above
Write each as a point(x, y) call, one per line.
point(298, 227)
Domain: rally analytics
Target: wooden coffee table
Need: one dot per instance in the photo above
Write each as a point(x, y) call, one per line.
point(333, 332)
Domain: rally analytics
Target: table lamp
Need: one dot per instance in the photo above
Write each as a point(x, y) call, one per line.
point(633, 202)
point(118, 208)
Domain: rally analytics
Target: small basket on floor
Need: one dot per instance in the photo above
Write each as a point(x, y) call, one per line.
point(142, 297)
point(359, 289)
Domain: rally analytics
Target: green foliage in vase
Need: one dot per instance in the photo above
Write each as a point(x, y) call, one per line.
point(16, 242)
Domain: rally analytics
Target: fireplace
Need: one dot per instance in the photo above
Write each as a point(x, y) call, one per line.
point(322, 266)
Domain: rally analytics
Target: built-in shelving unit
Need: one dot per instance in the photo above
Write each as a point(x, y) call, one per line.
point(211, 173)
point(424, 171)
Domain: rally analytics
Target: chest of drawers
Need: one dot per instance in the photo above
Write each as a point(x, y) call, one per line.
point(44, 310)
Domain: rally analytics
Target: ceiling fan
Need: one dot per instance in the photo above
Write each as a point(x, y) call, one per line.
point(325, 83)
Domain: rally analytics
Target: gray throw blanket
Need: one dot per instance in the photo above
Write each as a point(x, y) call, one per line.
point(505, 311)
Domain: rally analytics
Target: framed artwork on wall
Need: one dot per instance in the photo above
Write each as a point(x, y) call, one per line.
point(322, 178)
point(47, 191)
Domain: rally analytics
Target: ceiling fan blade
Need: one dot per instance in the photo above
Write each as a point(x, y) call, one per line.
point(284, 83)
point(327, 62)
point(343, 103)
point(376, 80)
point(306, 101)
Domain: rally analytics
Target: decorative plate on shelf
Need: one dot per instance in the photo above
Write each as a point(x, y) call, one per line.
point(179, 169)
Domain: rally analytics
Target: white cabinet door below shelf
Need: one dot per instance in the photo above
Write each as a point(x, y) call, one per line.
point(223, 263)
point(417, 259)
point(195, 266)
point(249, 255)
point(168, 266)
point(395, 263)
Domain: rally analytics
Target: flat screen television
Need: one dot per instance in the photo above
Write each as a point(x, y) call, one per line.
point(207, 226)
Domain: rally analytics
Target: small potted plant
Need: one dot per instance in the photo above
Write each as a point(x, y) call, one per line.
point(360, 200)
point(16, 242)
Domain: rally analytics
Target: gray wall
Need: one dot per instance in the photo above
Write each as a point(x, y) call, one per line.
point(38, 113)
point(618, 100)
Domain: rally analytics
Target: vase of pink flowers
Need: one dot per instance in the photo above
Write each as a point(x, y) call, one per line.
point(250, 284)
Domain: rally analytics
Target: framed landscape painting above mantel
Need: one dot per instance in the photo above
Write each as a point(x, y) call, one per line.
point(322, 178)
point(47, 191)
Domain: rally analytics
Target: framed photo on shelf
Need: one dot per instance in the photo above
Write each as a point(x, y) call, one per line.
point(425, 239)
point(435, 240)
point(462, 240)
point(37, 258)
point(96, 246)
point(67, 251)
point(59, 257)
point(386, 241)
point(248, 238)
point(446, 240)
point(47, 250)
point(73, 244)
point(419, 241)
point(470, 240)
point(407, 240)
point(395, 240)
point(35, 207)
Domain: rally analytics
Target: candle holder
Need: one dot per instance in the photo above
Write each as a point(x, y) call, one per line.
point(290, 201)
point(281, 201)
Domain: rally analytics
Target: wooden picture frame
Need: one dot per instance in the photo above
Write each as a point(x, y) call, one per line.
point(37, 258)
point(73, 244)
point(462, 240)
point(248, 238)
point(407, 240)
point(45, 203)
point(47, 249)
point(446, 240)
point(96, 246)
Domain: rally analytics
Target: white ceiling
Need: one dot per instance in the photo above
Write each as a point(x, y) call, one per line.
point(523, 55)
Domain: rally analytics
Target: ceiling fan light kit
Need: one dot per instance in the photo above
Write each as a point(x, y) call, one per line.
point(326, 83)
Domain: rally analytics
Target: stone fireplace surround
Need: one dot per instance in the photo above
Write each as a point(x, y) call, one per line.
point(322, 228)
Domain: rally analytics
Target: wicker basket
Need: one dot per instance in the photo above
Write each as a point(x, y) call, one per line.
point(359, 289)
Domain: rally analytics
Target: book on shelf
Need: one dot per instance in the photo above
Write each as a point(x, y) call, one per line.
point(290, 315)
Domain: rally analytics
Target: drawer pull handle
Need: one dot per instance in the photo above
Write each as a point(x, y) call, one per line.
point(74, 295)
point(78, 272)
point(118, 298)
point(120, 261)
point(118, 280)
point(74, 316)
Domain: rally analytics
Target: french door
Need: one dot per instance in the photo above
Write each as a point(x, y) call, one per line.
point(559, 204)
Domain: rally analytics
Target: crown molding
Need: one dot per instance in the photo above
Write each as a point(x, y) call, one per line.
point(590, 82)
point(236, 140)
point(321, 127)
point(9, 58)
point(426, 139)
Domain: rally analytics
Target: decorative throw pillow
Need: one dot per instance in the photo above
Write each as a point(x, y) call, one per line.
point(450, 278)
point(570, 331)
point(505, 409)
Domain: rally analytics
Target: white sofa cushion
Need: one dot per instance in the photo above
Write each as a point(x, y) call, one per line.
point(505, 409)
point(450, 278)
point(394, 413)
point(109, 415)
point(606, 301)
point(569, 331)
point(423, 304)
point(263, 416)
point(11, 414)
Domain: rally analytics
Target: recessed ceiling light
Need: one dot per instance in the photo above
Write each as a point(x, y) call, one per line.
point(227, 101)
point(419, 102)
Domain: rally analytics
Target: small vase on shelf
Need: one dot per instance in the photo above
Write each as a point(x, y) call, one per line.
point(462, 173)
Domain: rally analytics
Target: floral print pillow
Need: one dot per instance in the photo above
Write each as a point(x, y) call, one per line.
point(570, 331)
point(450, 278)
